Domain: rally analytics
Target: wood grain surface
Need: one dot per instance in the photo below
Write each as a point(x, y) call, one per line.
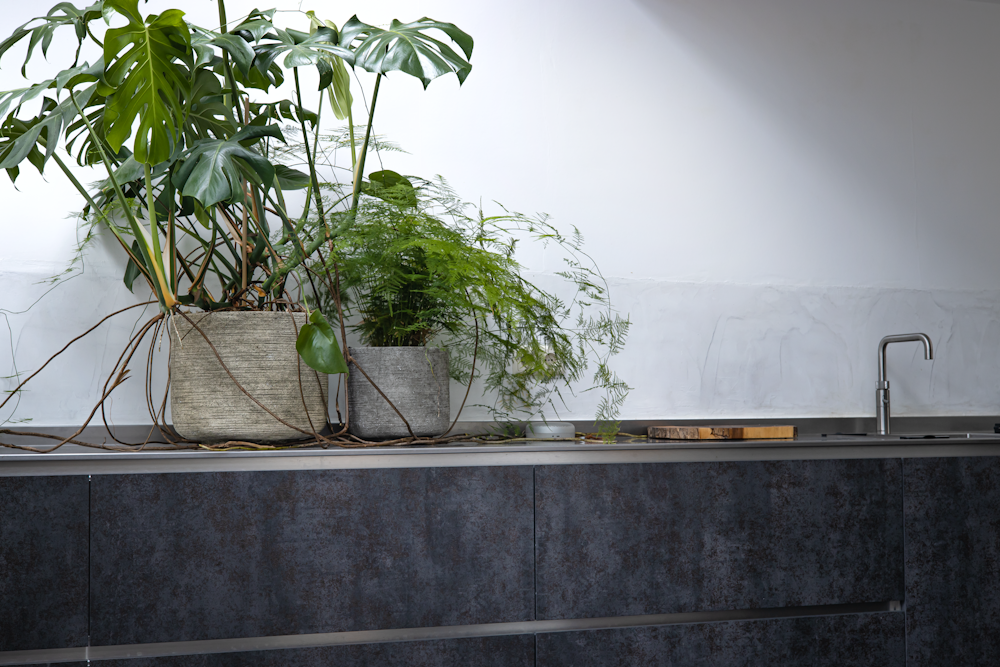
point(723, 432)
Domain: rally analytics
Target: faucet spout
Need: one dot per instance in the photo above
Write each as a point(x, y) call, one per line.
point(882, 388)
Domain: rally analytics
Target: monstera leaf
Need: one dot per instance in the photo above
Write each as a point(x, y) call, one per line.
point(256, 24)
point(62, 14)
point(145, 62)
point(301, 49)
point(213, 170)
point(405, 47)
point(208, 117)
point(22, 138)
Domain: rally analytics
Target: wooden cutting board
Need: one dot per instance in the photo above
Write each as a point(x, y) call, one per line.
point(723, 432)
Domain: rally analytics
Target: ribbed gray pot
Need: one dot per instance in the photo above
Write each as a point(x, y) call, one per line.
point(259, 350)
point(414, 378)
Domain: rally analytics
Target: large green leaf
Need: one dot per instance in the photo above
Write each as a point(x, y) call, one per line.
point(407, 48)
point(65, 79)
point(62, 14)
point(146, 68)
point(52, 118)
point(300, 49)
point(209, 117)
point(256, 25)
point(13, 129)
point(237, 47)
point(213, 170)
point(47, 126)
point(317, 345)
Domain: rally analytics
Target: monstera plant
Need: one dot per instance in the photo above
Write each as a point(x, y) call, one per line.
point(173, 116)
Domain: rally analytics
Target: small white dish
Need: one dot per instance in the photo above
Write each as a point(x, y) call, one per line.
point(549, 430)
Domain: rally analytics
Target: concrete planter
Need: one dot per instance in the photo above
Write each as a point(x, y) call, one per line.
point(414, 378)
point(259, 350)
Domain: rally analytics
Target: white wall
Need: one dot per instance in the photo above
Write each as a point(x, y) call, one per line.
point(771, 185)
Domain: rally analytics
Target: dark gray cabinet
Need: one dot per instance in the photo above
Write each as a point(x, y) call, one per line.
point(43, 562)
point(620, 540)
point(129, 559)
point(952, 561)
point(180, 557)
point(861, 640)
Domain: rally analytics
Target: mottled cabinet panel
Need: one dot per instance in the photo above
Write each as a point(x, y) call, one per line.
point(214, 555)
point(825, 641)
point(43, 562)
point(952, 511)
point(509, 651)
point(618, 540)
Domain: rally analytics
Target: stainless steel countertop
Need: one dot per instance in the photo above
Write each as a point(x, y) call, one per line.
point(76, 460)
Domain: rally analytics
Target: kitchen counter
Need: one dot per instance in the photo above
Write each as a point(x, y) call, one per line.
point(76, 460)
point(824, 550)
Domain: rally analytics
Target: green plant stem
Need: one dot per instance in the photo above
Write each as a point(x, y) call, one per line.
point(154, 232)
point(309, 155)
point(136, 228)
point(309, 188)
point(293, 263)
point(350, 128)
point(172, 249)
point(360, 167)
point(232, 99)
point(244, 231)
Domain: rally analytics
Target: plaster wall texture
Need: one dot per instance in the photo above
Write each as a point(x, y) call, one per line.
point(770, 185)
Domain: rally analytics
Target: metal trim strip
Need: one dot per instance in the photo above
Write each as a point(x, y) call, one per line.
point(424, 634)
point(138, 463)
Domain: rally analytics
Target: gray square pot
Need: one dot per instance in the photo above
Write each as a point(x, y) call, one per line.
point(414, 378)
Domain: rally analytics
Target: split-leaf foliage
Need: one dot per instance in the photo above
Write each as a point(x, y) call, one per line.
point(167, 109)
point(195, 171)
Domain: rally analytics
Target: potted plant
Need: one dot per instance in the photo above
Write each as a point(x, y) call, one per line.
point(195, 198)
point(425, 276)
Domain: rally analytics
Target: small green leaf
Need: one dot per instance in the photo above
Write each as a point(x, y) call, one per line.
point(132, 270)
point(237, 47)
point(318, 347)
point(390, 187)
point(290, 179)
point(202, 215)
point(340, 90)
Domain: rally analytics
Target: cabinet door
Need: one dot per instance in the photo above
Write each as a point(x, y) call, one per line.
point(825, 641)
point(952, 512)
point(181, 557)
point(43, 562)
point(619, 540)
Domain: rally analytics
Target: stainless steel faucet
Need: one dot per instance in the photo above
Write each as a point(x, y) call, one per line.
point(882, 388)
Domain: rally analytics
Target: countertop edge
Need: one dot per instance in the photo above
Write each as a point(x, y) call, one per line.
point(561, 453)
